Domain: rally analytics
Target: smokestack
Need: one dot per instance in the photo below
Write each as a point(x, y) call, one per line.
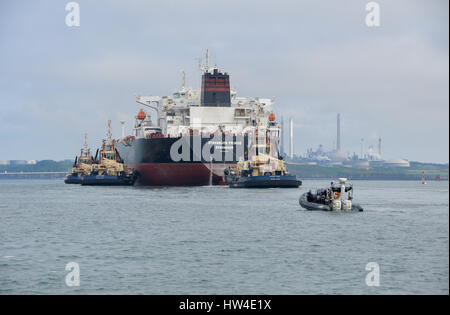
point(379, 147)
point(362, 148)
point(291, 137)
point(123, 128)
point(338, 140)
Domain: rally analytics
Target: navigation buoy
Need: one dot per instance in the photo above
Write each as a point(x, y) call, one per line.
point(423, 178)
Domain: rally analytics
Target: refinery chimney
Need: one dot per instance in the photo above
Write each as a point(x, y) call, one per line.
point(379, 147)
point(291, 139)
point(362, 149)
point(338, 135)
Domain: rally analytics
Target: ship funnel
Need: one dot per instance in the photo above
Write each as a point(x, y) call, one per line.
point(215, 89)
point(215, 86)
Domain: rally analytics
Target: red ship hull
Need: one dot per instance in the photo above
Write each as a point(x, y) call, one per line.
point(179, 174)
point(154, 166)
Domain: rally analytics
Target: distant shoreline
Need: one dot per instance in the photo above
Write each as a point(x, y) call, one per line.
point(48, 169)
point(413, 173)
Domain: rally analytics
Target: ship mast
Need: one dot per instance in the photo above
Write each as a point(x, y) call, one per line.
point(206, 68)
point(184, 81)
point(109, 133)
point(85, 149)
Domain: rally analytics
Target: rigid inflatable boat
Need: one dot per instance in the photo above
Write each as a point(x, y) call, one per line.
point(331, 198)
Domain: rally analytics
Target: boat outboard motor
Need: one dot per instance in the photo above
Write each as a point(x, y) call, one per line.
point(336, 204)
point(345, 204)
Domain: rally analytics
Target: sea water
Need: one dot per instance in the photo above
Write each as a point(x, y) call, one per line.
point(216, 240)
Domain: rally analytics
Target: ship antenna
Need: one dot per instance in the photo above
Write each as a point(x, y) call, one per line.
point(184, 80)
point(205, 68)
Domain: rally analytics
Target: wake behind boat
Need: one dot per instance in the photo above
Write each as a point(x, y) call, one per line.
point(331, 198)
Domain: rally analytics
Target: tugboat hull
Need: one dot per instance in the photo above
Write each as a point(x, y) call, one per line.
point(73, 179)
point(265, 182)
point(107, 180)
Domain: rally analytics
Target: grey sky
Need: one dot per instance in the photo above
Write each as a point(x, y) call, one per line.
point(317, 58)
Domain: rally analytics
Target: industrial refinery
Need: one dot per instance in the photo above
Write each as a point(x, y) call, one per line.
point(367, 158)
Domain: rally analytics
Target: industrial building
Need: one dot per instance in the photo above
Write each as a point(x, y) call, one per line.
point(18, 162)
point(372, 157)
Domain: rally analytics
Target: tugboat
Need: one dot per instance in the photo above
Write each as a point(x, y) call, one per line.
point(81, 166)
point(265, 169)
point(259, 173)
point(109, 170)
point(331, 198)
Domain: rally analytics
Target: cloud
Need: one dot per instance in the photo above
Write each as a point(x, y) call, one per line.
point(316, 58)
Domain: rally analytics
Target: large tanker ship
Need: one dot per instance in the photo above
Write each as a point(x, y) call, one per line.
point(197, 134)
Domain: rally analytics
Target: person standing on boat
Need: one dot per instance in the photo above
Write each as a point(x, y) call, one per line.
point(310, 196)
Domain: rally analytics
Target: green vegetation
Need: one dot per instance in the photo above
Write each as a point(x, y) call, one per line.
point(303, 171)
point(380, 173)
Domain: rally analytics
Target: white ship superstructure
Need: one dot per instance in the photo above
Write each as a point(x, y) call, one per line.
point(182, 113)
